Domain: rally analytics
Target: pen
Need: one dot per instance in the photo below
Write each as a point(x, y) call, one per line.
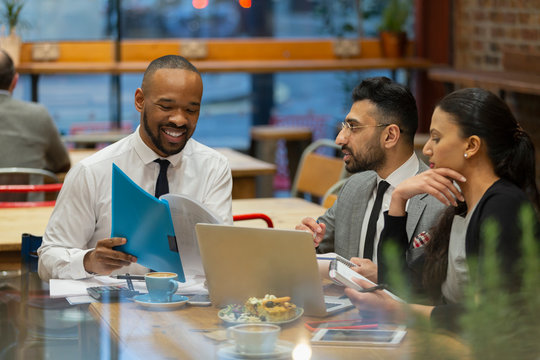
point(325, 258)
point(373, 288)
point(129, 283)
point(131, 277)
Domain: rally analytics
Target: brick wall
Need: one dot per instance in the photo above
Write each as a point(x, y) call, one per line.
point(483, 29)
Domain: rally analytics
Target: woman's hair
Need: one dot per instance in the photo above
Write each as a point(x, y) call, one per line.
point(510, 150)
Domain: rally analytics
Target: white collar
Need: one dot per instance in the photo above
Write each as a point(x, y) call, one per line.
point(408, 169)
point(5, 92)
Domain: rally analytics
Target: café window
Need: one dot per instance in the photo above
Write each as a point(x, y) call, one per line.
point(236, 100)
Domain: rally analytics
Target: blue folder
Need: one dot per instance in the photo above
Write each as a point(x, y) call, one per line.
point(146, 223)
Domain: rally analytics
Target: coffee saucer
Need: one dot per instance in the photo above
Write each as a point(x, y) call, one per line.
point(176, 301)
point(282, 350)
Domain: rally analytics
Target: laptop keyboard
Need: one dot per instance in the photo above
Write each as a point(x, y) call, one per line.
point(330, 305)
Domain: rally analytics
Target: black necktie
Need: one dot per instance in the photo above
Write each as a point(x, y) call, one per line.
point(162, 184)
point(372, 223)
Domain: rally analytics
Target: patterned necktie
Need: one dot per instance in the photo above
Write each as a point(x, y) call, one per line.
point(162, 184)
point(372, 223)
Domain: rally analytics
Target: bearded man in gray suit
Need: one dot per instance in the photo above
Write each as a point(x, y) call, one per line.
point(377, 140)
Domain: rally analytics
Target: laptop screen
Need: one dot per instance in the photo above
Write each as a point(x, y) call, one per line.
point(242, 262)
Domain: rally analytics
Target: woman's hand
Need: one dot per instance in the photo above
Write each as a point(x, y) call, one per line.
point(435, 182)
point(377, 303)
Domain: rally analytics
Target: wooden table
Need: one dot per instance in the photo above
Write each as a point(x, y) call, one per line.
point(145, 334)
point(285, 213)
point(93, 138)
point(244, 168)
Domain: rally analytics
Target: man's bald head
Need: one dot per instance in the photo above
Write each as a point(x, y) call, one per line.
point(167, 62)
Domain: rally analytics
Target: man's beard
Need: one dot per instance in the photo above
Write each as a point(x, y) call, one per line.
point(158, 142)
point(373, 159)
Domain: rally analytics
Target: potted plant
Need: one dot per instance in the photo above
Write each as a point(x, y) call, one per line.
point(392, 29)
point(343, 23)
point(10, 12)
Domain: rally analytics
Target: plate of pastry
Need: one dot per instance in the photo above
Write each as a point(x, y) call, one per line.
point(269, 310)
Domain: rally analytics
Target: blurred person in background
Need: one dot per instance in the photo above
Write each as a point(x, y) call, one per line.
point(28, 135)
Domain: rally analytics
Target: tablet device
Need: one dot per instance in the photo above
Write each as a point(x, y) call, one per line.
point(359, 337)
point(340, 324)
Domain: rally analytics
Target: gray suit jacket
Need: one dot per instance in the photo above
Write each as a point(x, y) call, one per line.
point(28, 137)
point(344, 219)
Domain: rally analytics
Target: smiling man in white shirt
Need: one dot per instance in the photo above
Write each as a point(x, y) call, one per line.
point(77, 242)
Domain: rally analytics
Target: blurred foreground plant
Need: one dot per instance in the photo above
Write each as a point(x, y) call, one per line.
point(497, 324)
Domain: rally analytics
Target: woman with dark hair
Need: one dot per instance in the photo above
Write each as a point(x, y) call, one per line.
point(483, 167)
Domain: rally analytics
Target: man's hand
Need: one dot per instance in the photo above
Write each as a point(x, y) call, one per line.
point(316, 229)
point(103, 259)
point(366, 268)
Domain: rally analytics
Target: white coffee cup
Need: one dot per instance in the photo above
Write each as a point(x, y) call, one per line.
point(254, 338)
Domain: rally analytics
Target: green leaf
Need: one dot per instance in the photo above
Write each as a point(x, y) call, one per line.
point(395, 15)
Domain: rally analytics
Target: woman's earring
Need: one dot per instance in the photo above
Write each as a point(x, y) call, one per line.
point(465, 155)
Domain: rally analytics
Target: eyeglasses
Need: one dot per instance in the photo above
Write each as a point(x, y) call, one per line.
point(346, 125)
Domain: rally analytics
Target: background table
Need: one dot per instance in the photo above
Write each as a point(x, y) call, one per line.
point(285, 213)
point(244, 169)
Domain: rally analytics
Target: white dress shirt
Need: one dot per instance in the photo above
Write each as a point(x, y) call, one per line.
point(82, 214)
point(408, 169)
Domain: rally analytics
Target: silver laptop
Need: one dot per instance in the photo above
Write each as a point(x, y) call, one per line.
point(242, 262)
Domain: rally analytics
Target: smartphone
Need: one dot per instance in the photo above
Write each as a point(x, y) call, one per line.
point(111, 293)
point(199, 300)
point(359, 337)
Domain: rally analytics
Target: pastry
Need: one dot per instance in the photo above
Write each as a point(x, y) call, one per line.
point(280, 309)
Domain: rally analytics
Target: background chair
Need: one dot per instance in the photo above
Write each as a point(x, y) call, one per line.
point(23, 189)
point(331, 194)
point(253, 216)
point(316, 172)
point(25, 176)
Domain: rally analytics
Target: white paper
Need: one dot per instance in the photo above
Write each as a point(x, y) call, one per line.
point(76, 300)
point(193, 285)
point(186, 213)
point(75, 288)
point(68, 287)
